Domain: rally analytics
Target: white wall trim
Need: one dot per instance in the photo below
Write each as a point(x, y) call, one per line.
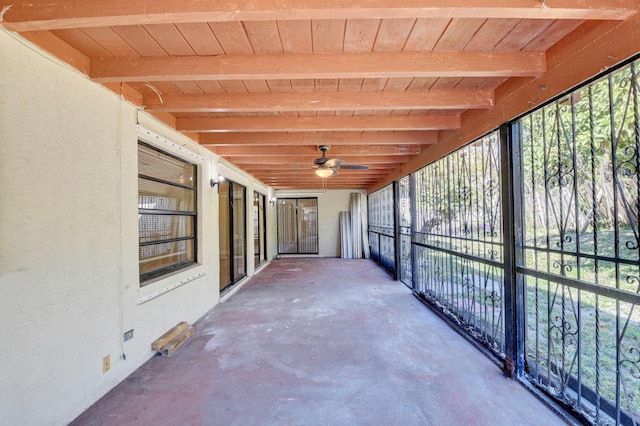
point(157, 138)
point(168, 288)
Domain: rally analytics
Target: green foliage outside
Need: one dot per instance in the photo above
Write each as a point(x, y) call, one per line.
point(580, 196)
point(580, 203)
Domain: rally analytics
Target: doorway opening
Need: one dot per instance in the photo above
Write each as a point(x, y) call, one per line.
point(233, 231)
point(297, 226)
point(259, 229)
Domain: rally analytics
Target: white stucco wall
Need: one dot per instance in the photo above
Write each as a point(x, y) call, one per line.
point(69, 285)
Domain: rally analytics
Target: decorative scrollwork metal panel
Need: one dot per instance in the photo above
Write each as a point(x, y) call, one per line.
point(581, 259)
point(387, 253)
point(405, 267)
point(404, 228)
point(374, 242)
point(457, 239)
point(381, 227)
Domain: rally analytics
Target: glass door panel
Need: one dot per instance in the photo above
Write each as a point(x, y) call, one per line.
point(225, 233)
point(287, 234)
point(232, 224)
point(239, 232)
point(308, 225)
point(259, 252)
point(298, 226)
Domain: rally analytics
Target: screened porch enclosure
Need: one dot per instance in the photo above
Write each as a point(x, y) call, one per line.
point(528, 241)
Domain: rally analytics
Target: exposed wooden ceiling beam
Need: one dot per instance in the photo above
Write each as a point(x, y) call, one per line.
point(319, 138)
point(315, 180)
point(300, 165)
point(319, 185)
point(58, 48)
point(320, 123)
point(333, 184)
point(309, 174)
point(334, 151)
point(319, 66)
point(58, 14)
point(594, 47)
point(279, 183)
point(294, 159)
point(278, 174)
point(311, 177)
point(321, 101)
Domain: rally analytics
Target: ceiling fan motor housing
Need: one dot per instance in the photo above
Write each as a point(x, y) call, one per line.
point(320, 161)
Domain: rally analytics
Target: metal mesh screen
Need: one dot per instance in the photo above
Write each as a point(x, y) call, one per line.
point(166, 212)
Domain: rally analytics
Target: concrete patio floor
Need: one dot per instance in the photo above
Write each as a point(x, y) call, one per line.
point(319, 341)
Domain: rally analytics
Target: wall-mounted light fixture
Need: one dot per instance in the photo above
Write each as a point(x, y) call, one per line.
point(272, 200)
point(215, 182)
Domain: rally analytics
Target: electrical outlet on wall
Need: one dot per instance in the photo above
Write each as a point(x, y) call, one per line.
point(106, 363)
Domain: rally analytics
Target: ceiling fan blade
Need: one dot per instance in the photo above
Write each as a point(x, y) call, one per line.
point(334, 162)
point(354, 167)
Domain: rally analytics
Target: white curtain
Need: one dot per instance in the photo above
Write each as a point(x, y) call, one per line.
point(364, 222)
point(354, 243)
point(346, 244)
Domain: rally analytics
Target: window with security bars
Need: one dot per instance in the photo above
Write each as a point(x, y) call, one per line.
point(166, 213)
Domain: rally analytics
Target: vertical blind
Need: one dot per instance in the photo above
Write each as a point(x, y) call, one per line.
point(298, 225)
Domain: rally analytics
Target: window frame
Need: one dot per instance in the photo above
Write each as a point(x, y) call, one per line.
point(192, 215)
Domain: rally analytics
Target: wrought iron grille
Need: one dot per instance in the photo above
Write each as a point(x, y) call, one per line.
point(457, 239)
point(167, 213)
point(404, 230)
point(553, 287)
point(580, 260)
point(382, 228)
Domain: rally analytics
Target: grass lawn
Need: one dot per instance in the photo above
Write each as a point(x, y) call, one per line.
point(572, 335)
point(576, 332)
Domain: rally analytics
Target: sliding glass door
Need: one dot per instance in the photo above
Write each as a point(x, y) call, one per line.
point(233, 254)
point(297, 226)
point(259, 229)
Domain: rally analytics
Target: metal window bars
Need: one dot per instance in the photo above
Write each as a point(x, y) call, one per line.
point(528, 239)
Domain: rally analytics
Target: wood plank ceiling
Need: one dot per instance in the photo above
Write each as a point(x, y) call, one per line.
point(263, 84)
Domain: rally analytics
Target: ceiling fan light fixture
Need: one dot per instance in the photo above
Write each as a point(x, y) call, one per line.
point(324, 173)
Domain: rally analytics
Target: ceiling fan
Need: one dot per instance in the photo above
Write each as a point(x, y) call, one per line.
point(326, 167)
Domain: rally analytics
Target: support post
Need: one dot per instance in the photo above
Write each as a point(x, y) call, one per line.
point(510, 150)
point(413, 208)
point(396, 229)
